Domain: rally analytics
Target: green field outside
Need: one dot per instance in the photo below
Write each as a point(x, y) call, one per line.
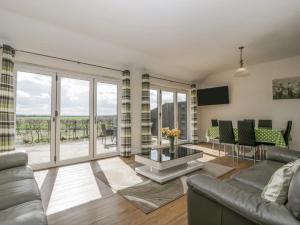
point(37, 129)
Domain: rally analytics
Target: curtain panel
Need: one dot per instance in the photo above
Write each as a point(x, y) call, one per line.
point(146, 116)
point(7, 101)
point(125, 150)
point(194, 125)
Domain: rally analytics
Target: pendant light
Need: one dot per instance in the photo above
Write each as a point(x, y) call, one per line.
point(242, 71)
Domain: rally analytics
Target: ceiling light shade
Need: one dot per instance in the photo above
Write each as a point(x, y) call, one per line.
point(241, 71)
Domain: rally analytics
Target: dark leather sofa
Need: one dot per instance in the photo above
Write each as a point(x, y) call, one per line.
point(20, 198)
point(237, 201)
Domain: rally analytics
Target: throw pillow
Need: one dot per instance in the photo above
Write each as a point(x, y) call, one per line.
point(277, 188)
point(294, 195)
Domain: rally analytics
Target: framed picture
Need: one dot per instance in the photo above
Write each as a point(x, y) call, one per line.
point(287, 88)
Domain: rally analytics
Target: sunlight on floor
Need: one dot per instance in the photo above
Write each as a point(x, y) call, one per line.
point(81, 188)
point(40, 177)
point(119, 175)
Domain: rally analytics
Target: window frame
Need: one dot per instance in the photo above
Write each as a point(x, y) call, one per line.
point(175, 91)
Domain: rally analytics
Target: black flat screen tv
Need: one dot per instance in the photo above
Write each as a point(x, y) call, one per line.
point(213, 96)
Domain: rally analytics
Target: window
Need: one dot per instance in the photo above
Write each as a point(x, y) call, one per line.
point(168, 109)
point(65, 118)
point(182, 115)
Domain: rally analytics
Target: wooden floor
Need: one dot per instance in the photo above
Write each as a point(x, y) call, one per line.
point(72, 195)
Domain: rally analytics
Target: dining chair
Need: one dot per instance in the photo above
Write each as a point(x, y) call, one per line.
point(226, 136)
point(287, 133)
point(246, 137)
point(265, 124)
point(251, 120)
point(215, 123)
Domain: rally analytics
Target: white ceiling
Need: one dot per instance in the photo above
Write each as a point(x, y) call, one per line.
point(184, 39)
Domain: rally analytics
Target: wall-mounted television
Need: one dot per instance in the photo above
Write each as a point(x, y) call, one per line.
point(213, 96)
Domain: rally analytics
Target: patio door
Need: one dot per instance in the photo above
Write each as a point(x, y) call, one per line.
point(35, 108)
point(74, 119)
point(169, 108)
point(63, 119)
point(106, 111)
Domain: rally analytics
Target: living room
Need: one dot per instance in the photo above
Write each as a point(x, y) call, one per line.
point(139, 112)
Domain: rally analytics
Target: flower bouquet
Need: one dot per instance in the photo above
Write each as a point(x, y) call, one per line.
point(171, 134)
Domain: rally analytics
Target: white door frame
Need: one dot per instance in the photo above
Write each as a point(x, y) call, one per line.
point(159, 90)
point(55, 106)
point(40, 71)
point(58, 108)
point(119, 95)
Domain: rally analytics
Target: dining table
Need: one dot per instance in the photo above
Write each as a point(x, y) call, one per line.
point(262, 135)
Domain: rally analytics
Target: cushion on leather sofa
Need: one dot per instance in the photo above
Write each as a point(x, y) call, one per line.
point(28, 213)
point(18, 192)
point(294, 195)
point(12, 159)
point(259, 175)
point(278, 186)
point(16, 173)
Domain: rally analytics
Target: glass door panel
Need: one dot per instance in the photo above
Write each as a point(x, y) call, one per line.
point(33, 116)
point(182, 115)
point(107, 118)
point(74, 133)
point(167, 112)
point(154, 117)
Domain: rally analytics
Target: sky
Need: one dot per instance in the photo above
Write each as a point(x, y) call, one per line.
point(34, 96)
point(167, 97)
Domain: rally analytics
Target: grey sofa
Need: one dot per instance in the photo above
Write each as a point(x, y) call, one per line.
point(20, 199)
point(237, 201)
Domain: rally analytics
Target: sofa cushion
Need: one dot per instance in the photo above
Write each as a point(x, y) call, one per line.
point(18, 192)
point(16, 173)
point(28, 213)
point(294, 195)
point(244, 187)
point(278, 186)
point(258, 175)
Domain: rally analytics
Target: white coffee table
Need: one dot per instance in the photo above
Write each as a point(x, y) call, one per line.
point(161, 165)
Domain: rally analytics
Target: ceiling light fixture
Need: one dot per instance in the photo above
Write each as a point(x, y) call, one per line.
point(242, 71)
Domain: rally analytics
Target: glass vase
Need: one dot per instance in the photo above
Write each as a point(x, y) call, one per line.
point(172, 144)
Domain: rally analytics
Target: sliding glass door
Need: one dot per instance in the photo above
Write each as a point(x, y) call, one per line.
point(106, 119)
point(63, 119)
point(74, 115)
point(154, 117)
point(34, 113)
point(169, 109)
point(182, 113)
point(167, 112)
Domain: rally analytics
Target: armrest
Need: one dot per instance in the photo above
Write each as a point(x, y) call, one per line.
point(13, 159)
point(248, 205)
point(282, 155)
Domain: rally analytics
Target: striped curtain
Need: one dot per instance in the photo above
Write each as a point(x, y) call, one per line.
point(125, 150)
point(146, 117)
point(7, 108)
point(194, 125)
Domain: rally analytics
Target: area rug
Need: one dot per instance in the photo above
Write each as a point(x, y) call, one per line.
point(145, 194)
point(149, 196)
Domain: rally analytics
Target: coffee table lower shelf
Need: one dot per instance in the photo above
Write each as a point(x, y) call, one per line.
point(162, 176)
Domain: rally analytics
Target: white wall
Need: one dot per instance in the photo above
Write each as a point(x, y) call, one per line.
point(251, 97)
